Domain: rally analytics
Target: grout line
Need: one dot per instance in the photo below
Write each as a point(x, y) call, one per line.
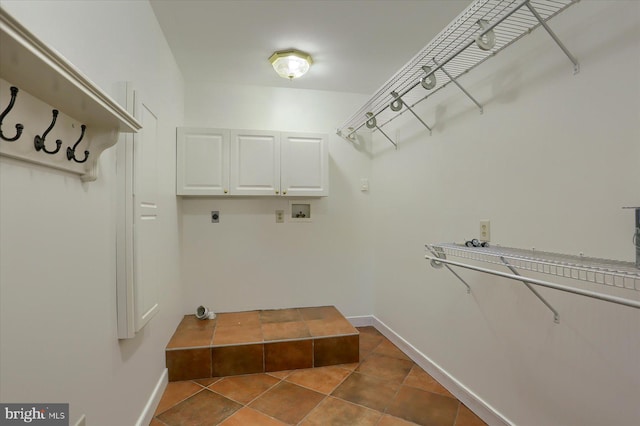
point(186, 348)
point(315, 390)
point(313, 409)
point(180, 401)
point(455, 419)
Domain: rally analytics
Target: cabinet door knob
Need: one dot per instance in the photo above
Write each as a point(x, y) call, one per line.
point(225, 191)
point(277, 192)
point(284, 192)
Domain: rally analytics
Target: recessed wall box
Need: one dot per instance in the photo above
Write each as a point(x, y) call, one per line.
point(300, 212)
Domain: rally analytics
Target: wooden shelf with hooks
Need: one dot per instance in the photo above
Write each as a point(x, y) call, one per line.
point(46, 81)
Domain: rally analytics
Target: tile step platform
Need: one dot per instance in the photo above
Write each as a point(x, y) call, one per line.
point(261, 341)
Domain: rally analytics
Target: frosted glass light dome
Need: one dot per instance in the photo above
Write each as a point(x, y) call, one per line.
point(291, 63)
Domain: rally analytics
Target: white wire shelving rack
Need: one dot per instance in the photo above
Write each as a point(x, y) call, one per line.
point(608, 273)
point(477, 34)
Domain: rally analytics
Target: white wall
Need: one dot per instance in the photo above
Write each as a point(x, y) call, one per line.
point(58, 340)
point(247, 261)
point(551, 162)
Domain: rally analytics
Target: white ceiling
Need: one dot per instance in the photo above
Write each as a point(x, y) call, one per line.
point(356, 45)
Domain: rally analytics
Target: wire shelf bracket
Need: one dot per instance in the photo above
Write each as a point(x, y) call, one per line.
point(397, 105)
point(608, 273)
point(481, 31)
point(455, 81)
point(438, 264)
point(556, 316)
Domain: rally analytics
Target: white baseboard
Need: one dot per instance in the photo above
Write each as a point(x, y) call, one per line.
point(149, 409)
point(481, 408)
point(362, 321)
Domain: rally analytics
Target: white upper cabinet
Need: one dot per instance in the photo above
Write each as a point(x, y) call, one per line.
point(202, 161)
point(214, 162)
point(255, 162)
point(304, 164)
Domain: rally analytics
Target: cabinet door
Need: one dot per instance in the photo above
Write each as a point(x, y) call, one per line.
point(255, 162)
point(304, 164)
point(202, 161)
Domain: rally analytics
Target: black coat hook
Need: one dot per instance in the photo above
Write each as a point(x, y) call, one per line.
point(71, 152)
point(19, 127)
point(38, 141)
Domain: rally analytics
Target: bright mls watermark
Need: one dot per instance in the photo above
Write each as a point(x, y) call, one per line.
point(34, 414)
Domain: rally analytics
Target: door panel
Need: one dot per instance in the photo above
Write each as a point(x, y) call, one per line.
point(202, 161)
point(137, 235)
point(145, 237)
point(304, 164)
point(255, 163)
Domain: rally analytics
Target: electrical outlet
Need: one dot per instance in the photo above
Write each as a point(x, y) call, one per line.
point(485, 230)
point(215, 216)
point(279, 216)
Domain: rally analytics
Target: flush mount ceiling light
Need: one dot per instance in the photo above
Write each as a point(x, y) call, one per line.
point(290, 63)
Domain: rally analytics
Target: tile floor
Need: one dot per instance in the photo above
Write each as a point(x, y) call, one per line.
point(385, 389)
point(260, 341)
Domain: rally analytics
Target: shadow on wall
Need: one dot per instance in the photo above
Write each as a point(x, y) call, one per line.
point(128, 347)
point(361, 143)
point(505, 84)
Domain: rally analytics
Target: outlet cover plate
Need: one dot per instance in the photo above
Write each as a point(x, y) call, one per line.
point(485, 230)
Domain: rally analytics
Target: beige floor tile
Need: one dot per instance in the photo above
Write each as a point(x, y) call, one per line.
point(250, 417)
point(176, 392)
point(287, 402)
point(334, 411)
point(385, 367)
point(424, 408)
point(205, 408)
point(420, 379)
point(322, 379)
point(467, 417)
point(244, 389)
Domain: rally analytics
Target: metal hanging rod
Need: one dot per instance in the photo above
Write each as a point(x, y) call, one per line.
point(587, 293)
point(609, 273)
point(439, 254)
point(491, 25)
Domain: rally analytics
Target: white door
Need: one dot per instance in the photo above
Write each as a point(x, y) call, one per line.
point(304, 164)
point(202, 159)
point(145, 226)
point(138, 221)
point(255, 162)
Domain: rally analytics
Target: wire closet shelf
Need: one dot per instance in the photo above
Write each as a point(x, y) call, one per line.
point(611, 273)
point(478, 33)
